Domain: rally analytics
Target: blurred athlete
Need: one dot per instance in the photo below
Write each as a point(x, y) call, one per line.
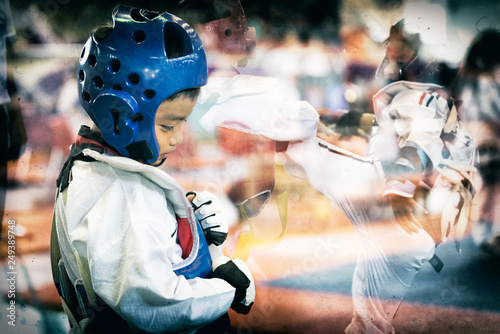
point(433, 157)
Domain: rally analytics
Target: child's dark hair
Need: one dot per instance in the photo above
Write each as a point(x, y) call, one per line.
point(102, 32)
point(190, 93)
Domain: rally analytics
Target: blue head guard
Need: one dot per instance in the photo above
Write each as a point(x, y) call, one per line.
point(125, 76)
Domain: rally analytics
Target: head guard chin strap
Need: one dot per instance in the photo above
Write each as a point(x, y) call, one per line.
point(126, 75)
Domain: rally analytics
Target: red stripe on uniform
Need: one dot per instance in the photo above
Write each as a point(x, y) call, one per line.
point(185, 236)
point(82, 140)
point(422, 99)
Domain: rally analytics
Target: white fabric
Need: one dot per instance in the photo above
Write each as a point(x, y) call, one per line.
point(398, 108)
point(119, 216)
point(210, 212)
point(255, 105)
point(419, 115)
point(406, 189)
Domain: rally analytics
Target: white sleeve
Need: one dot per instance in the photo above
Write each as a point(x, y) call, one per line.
point(257, 106)
point(343, 177)
point(130, 251)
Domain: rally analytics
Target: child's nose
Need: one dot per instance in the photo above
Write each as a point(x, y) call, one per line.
point(176, 138)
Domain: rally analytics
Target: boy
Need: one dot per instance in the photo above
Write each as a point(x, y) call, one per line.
point(127, 252)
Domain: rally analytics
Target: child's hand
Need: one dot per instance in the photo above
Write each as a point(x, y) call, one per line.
point(208, 211)
point(236, 273)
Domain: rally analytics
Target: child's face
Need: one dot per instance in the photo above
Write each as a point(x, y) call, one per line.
point(168, 124)
point(399, 51)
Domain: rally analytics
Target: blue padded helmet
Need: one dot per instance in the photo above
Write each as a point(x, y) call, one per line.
point(125, 76)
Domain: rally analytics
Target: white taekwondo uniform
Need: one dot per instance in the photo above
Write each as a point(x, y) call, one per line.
point(117, 228)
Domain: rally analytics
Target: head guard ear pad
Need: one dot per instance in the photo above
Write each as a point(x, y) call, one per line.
point(112, 111)
point(124, 76)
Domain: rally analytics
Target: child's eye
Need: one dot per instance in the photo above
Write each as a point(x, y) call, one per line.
point(166, 128)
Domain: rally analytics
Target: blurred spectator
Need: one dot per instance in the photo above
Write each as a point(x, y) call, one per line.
point(12, 132)
point(7, 35)
point(283, 62)
point(478, 89)
point(360, 69)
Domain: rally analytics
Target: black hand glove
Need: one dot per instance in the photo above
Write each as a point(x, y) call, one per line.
point(236, 273)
